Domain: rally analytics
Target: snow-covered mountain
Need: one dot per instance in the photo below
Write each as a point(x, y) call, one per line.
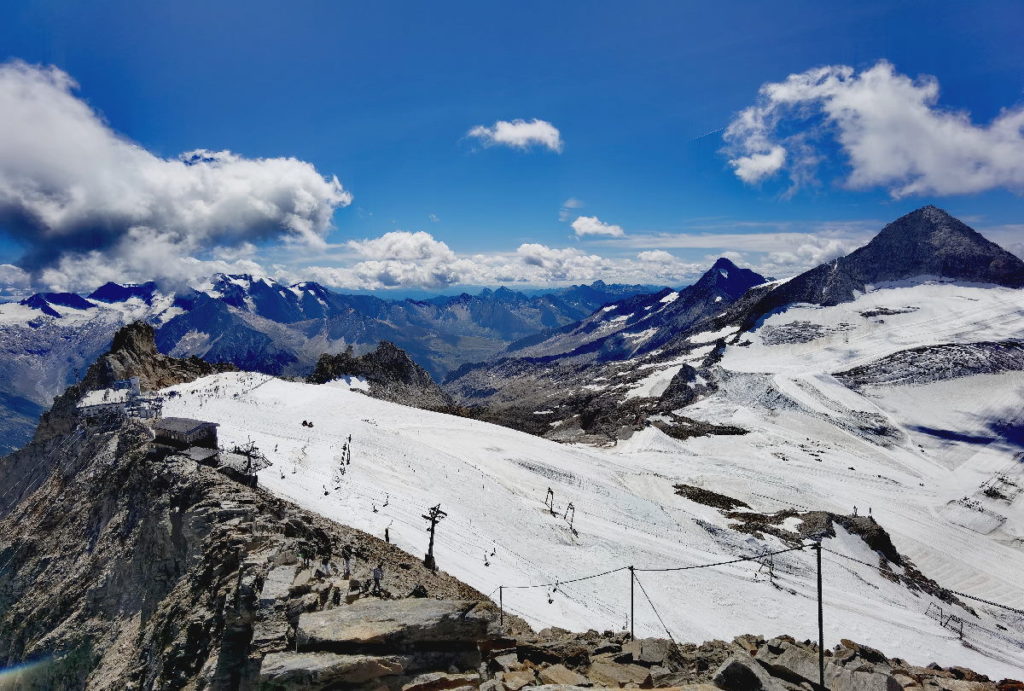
point(812, 445)
point(887, 422)
point(258, 324)
point(566, 388)
point(642, 323)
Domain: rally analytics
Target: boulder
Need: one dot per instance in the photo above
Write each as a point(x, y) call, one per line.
point(506, 663)
point(792, 662)
point(567, 651)
point(842, 679)
point(742, 673)
point(323, 670)
point(650, 651)
point(560, 674)
point(394, 625)
point(608, 673)
point(515, 680)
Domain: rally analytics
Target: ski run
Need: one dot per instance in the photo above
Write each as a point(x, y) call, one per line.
point(493, 483)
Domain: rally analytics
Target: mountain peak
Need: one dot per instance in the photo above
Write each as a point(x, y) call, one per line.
point(726, 277)
point(929, 241)
point(724, 263)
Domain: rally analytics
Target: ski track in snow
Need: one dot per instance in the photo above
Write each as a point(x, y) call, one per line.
point(910, 453)
point(492, 482)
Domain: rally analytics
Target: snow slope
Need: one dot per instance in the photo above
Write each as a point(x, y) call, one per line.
point(492, 481)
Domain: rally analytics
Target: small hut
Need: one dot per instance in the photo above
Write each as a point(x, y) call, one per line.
point(183, 432)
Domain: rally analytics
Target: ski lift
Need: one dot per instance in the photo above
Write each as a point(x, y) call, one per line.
point(551, 595)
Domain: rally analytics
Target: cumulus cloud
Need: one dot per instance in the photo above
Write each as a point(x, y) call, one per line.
point(889, 127)
point(655, 256)
point(519, 134)
point(87, 202)
point(417, 260)
point(592, 225)
point(13, 279)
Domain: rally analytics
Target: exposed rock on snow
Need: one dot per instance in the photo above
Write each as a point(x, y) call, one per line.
point(391, 373)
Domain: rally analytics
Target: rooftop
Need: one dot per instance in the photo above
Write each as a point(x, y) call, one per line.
point(181, 425)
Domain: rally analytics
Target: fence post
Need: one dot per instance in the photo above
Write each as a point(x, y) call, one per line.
point(821, 623)
point(632, 581)
point(501, 608)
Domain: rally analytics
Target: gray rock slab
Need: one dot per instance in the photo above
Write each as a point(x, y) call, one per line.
point(413, 623)
point(322, 670)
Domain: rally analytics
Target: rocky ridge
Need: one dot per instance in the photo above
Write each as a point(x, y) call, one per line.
point(391, 374)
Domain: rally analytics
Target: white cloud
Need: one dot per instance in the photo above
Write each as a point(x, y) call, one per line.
point(519, 134)
point(755, 167)
point(403, 259)
point(655, 256)
point(888, 126)
point(565, 213)
point(84, 199)
point(592, 225)
point(13, 279)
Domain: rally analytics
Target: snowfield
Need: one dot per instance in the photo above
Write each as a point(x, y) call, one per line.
point(492, 481)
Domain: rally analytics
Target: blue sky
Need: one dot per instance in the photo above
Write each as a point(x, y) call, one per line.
point(383, 96)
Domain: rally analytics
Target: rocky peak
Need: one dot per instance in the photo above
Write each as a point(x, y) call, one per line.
point(926, 243)
point(730, 279)
point(929, 241)
point(133, 353)
point(117, 292)
point(137, 340)
point(391, 373)
point(44, 301)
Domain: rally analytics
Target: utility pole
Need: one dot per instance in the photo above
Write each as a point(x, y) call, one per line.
point(549, 499)
point(434, 516)
point(821, 622)
point(632, 582)
point(501, 608)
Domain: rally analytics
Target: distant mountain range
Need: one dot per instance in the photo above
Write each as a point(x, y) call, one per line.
point(643, 357)
point(588, 353)
point(48, 339)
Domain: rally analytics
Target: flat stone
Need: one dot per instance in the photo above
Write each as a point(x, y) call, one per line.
point(276, 585)
point(422, 624)
point(513, 681)
point(507, 662)
point(302, 578)
point(441, 681)
point(321, 670)
point(616, 675)
point(560, 674)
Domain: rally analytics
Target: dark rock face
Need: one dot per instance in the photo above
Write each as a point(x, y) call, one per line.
point(43, 302)
point(391, 373)
point(116, 292)
point(926, 242)
point(937, 363)
point(133, 353)
point(135, 569)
